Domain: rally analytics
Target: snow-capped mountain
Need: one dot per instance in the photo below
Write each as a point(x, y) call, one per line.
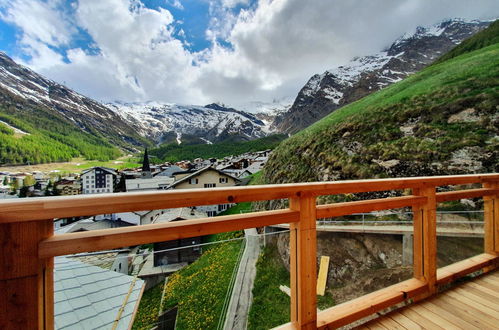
point(23, 89)
point(339, 86)
point(210, 123)
point(124, 124)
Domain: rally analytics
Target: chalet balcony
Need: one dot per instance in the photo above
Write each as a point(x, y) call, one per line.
point(29, 247)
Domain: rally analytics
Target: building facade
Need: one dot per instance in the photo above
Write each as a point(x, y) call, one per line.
point(98, 180)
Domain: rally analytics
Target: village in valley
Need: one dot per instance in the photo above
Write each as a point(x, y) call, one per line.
point(144, 266)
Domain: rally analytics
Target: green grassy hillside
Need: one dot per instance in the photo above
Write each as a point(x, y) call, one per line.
point(174, 152)
point(442, 120)
point(54, 138)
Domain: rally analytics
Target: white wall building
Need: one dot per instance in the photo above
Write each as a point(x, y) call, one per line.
point(98, 180)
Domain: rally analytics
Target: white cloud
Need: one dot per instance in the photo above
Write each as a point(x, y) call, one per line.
point(40, 21)
point(274, 45)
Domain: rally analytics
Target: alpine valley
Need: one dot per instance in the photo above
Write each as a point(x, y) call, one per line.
point(44, 121)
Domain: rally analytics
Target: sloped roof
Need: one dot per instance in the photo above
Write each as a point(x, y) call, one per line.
point(170, 171)
point(183, 213)
point(201, 171)
point(90, 297)
point(88, 224)
point(107, 169)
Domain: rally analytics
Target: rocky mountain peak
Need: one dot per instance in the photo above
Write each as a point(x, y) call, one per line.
point(334, 88)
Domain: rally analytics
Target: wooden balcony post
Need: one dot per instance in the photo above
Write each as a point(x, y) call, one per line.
point(26, 282)
point(425, 239)
point(303, 264)
point(491, 220)
point(417, 242)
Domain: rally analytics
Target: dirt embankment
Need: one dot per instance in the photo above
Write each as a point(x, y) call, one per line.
point(363, 263)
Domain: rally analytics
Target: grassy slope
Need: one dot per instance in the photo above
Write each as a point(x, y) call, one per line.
point(199, 289)
point(428, 98)
point(53, 138)
point(487, 37)
point(173, 152)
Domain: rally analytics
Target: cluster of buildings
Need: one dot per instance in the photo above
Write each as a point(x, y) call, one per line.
point(113, 279)
point(201, 173)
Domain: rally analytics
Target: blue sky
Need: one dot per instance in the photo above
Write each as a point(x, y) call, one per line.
point(202, 51)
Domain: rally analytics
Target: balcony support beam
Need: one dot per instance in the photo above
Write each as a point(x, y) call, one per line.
point(26, 282)
point(303, 263)
point(491, 220)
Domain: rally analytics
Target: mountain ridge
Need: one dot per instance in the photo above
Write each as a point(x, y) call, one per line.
point(442, 120)
point(337, 87)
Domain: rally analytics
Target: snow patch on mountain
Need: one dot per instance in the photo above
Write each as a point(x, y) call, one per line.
point(211, 123)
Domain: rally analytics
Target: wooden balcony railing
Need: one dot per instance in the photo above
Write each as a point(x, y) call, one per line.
point(28, 243)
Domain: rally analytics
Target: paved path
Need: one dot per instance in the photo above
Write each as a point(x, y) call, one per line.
point(240, 301)
point(396, 230)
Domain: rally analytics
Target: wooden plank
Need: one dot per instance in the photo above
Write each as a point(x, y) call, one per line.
point(464, 314)
point(41, 208)
point(463, 307)
point(293, 267)
point(469, 193)
point(451, 317)
point(459, 269)
point(18, 307)
point(487, 283)
point(480, 290)
point(306, 264)
point(322, 279)
point(388, 323)
point(26, 282)
point(489, 221)
point(434, 317)
point(376, 325)
point(417, 247)
point(430, 238)
point(464, 291)
point(404, 321)
point(108, 239)
point(339, 209)
point(419, 319)
point(350, 311)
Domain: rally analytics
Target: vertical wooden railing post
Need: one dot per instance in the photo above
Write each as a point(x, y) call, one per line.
point(491, 220)
point(303, 264)
point(26, 282)
point(425, 239)
point(417, 242)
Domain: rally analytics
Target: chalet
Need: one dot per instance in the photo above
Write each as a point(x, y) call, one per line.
point(207, 177)
point(68, 187)
point(98, 180)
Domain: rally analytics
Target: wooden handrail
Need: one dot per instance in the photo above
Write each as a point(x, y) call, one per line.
point(469, 193)
point(106, 239)
point(340, 209)
point(29, 245)
point(41, 208)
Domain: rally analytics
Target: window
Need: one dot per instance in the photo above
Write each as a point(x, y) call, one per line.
point(210, 185)
point(222, 207)
point(223, 180)
point(211, 213)
point(194, 181)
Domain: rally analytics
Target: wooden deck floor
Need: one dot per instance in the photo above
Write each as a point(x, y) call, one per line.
point(471, 305)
